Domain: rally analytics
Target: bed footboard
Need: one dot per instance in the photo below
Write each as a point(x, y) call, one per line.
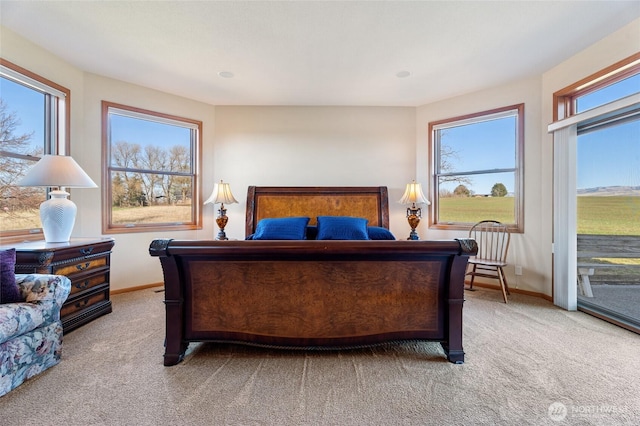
point(313, 294)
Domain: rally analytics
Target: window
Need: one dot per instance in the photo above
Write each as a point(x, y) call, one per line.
point(478, 161)
point(151, 174)
point(34, 118)
point(615, 82)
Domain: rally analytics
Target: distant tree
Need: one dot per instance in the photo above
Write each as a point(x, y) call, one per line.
point(448, 158)
point(153, 158)
point(12, 197)
point(136, 195)
point(498, 190)
point(179, 187)
point(118, 191)
point(445, 193)
point(126, 155)
point(142, 188)
point(461, 191)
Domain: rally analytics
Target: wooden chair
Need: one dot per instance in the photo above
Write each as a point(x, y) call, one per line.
point(493, 239)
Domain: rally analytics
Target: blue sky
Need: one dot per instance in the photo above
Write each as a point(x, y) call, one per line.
point(611, 156)
point(29, 107)
point(145, 133)
point(605, 158)
point(482, 146)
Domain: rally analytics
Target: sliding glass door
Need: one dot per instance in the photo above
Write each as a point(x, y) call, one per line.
point(608, 219)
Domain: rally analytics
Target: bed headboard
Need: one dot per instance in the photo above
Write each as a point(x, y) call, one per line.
point(371, 203)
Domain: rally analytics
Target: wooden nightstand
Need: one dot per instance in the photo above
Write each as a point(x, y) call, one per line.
point(86, 261)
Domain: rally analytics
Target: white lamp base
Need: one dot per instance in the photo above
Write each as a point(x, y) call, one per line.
point(58, 214)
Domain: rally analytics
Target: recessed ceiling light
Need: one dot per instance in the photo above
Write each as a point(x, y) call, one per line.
point(225, 74)
point(403, 74)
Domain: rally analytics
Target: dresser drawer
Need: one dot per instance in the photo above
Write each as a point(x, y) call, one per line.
point(85, 261)
point(79, 266)
point(77, 305)
point(87, 282)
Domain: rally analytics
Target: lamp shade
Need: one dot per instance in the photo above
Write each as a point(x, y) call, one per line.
point(221, 194)
point(57, 170)
point(413, 195)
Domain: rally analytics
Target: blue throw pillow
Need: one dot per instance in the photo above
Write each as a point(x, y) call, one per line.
point(380, 233)
point(9, 290)
point(342, 228)
point(281, 228)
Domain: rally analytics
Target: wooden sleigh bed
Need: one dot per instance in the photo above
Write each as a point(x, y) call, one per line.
point(310, 294)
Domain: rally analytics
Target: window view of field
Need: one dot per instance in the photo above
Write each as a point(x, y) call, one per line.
point(476, 167)
point(474, 209)
point(22, 142)
point(151, 169)
point(152, 214)
point(11, 220)
point(608, 219)
point(30, 218)
point(614, 215)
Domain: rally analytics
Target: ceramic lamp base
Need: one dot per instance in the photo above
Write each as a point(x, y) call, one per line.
point(58, 214)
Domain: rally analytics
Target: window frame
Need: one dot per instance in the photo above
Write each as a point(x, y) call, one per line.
point(57, 132)
point(196, 159)
point(565, 100)
point(518, 226)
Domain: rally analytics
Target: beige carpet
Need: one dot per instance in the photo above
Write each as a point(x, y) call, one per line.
point(521, 359)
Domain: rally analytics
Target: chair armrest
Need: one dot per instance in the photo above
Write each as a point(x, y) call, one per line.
point(44, 287)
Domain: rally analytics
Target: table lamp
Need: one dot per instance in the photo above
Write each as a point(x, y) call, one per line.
point(58, 213)
point(413, 195)
point(221, 194)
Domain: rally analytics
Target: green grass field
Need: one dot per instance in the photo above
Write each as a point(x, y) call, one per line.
point(472, 210)
point(609, 215)
point(616, 215)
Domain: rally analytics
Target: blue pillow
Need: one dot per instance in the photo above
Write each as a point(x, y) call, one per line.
point(9, 290)
point(379, 233)
point(281, 228)
point(342, 228)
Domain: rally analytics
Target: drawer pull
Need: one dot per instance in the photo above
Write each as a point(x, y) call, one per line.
point(82, 286)
point(86, 251)
point(81, 267)
point(82, 303)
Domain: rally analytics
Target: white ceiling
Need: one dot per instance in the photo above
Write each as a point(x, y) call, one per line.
point(316, 53)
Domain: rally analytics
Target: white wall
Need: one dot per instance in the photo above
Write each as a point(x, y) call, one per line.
point(314, 146)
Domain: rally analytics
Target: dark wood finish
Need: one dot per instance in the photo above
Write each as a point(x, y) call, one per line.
point(308, 294)
point(86, 261)
point(313, 294)
point(276, 201)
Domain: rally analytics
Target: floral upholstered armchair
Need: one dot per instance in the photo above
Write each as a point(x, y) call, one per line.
point(31, 330)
